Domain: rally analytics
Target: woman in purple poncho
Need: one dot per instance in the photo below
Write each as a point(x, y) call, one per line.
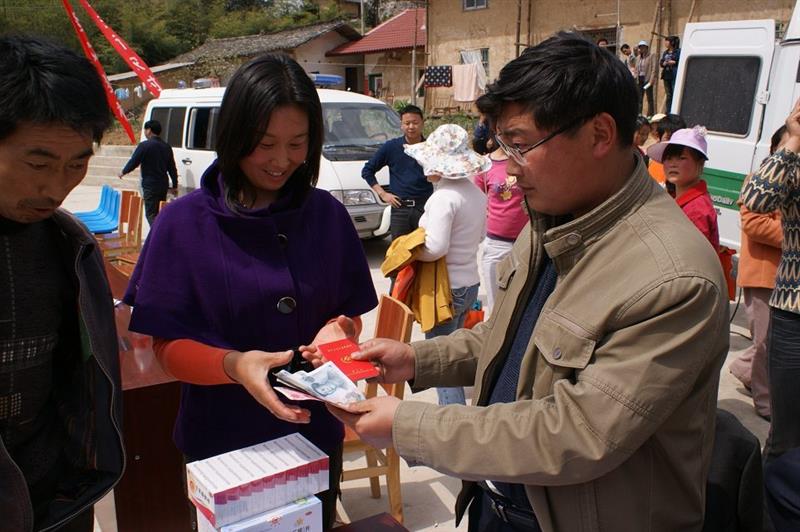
point(237, 274)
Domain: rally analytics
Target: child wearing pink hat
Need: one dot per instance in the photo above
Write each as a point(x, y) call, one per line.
point(684, 156)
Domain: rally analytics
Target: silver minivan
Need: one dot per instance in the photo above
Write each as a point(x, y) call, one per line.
point(355, 127)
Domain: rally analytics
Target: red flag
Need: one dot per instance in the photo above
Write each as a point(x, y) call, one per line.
point(128, 54)
point(89, 51)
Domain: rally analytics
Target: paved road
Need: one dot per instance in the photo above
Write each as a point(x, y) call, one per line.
point(428, 496)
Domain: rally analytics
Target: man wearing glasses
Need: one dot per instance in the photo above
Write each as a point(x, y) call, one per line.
point(596, 376)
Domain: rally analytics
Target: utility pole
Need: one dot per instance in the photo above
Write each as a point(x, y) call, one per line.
point(414, 58)
point(519, 22)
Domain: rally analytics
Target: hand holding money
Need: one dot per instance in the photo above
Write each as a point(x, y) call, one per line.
point(327, 383)
point(250, 369)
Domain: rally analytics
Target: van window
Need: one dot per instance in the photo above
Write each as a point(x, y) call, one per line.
point(355, 131)
point(202, 128)
point(719, 93)
point(171, 119)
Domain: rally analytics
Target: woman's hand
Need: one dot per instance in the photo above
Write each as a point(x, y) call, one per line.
point(338, 329)
point(793, 129)
point(250, 369)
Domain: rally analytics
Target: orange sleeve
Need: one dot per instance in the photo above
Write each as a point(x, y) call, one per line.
point(191, 361)
point(656, 170)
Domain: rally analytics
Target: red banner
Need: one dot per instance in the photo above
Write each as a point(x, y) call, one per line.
point(89, 51)
point(126, 52)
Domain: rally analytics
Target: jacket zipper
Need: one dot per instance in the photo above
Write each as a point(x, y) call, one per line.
point(54, 526)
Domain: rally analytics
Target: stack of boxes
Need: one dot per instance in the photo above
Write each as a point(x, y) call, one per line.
point(266, 487)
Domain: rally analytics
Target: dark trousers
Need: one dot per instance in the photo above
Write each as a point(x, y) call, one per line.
point(405, 219)
point(669, 87)
point(83, 522)
point(152, 197)
point(782, 480)
point(784, 378)
point(648, 92)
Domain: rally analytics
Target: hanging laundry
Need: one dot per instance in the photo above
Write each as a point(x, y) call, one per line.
point(439, 76)
point(465, 83)
point(121, 94)
point(138, 91)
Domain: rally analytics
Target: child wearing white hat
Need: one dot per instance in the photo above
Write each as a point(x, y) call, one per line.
point(454, 222)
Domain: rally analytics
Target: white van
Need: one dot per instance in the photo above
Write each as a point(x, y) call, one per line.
point(355, 127)
point(739, 82)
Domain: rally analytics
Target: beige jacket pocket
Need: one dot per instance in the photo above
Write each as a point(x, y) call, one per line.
point(563, 343)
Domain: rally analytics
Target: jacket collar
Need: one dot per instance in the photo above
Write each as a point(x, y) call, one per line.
point(695, 191)
point(565, 240)
point(72, 228)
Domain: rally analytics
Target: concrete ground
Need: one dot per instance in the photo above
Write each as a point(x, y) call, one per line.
point(428, 496)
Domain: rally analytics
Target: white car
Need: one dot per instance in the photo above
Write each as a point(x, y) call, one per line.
point(355, 127)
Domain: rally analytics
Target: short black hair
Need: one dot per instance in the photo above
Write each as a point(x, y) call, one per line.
point(776, 139)
point(564, 79)
point(642, 121)
point(255, 90)
point(413, 109)
point(670, 124)
point(154, 126)
point(624, 46)
point(42, 82)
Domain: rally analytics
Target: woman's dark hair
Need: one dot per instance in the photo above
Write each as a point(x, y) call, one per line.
point(674, 41)
point(641, 121)
point(776, 139)
point(42, 82)
point(565, 79)
point(255, 90)
point(675, 150)
point(670, 124)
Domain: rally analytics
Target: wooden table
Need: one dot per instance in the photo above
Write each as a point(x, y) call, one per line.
point(376, 523)
point(150, 496)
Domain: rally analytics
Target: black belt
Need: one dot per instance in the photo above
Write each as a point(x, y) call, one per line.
point(511, 514)
point(412, 202)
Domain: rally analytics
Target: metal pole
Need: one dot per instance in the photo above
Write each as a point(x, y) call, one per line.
point(414, 58)
point(362, 17)
point(519, 21)
point(619, 29)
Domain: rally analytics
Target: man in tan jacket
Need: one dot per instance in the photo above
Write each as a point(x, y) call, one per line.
point(596, 375)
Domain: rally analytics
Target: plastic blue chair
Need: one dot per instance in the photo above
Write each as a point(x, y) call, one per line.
point(104, 219)
point(105, 197)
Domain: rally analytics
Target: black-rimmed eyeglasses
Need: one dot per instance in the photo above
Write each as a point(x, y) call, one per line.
point(517, 152)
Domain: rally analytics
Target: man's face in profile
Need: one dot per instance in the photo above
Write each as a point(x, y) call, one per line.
point(40, 164)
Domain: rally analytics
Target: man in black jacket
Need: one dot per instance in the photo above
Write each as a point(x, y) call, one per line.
point(156, 159)
point(60, 394)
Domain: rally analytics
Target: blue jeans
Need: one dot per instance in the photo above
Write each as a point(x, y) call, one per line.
point(463, 299)
point(783, 361)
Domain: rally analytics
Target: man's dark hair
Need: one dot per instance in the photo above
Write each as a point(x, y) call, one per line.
point(625, 46)
point(565, 79)
point(42, 82)
point(255, 90)
point(642, 121)
point(413, 109)
point(154, 126)
point(776, 139)
point(670, 124)
point(602, 41)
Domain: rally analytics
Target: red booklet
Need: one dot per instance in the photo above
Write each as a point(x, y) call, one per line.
point(339, 353)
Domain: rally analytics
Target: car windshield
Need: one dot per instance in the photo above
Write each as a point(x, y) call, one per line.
point(354, 131)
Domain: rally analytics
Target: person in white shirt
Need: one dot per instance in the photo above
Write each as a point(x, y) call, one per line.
point(454, 222)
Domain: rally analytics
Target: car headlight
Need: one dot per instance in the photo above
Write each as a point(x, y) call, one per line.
point(355, 197)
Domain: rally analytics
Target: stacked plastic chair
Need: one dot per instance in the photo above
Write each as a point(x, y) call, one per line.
point(105, 218)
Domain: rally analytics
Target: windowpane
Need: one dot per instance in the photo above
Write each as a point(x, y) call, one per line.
point(719, 93)
point(203, 124)
point(171, 119)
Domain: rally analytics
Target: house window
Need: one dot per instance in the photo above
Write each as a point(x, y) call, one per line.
point(475, 4)
point(484, 56)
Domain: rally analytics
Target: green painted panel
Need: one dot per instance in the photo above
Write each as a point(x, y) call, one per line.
point(724, 187)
